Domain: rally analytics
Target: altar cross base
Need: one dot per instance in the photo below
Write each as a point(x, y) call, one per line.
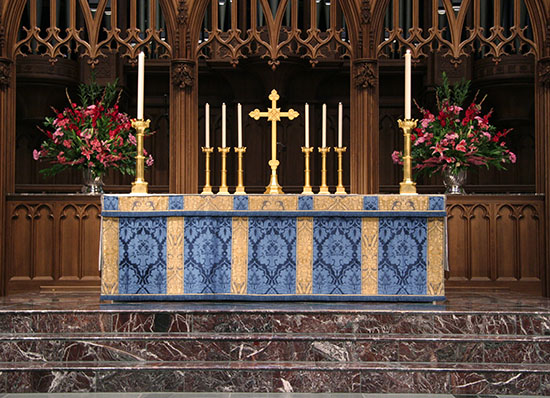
point(273, 115)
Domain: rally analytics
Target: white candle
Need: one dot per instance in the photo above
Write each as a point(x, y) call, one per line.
point(408, 84)
point(141, 84)
point(340, 111)
point(324, 126)
point(207, 125)
point(240, 124)
point(223, 125)
point(307, 126)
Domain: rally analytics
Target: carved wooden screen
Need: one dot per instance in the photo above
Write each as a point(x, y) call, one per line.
point(456, 28)
point(63, 28)
point(274, 29)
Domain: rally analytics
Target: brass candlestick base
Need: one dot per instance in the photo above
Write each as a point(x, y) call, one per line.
point(273, 188)
point(408, 186)
point(239, 190)
point(139, 186)
point(323, 189)
point(340, 190)
point(207, 189)
point(223, 186)
point(307, 150)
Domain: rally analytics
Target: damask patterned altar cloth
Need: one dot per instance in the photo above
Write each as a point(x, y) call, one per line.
point(273, 247)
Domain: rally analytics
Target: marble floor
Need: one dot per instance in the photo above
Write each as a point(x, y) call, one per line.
point(248, 395)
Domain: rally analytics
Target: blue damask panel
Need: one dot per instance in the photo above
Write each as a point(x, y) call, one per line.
point(175, 202)
point(240, 202)
point(436, 203)
point(110, 203)
point(207, 253)
point(142, 255)
point(305, 202)
point(336, 255)
point(402, 255)
point(271, 255)
point(370, 203)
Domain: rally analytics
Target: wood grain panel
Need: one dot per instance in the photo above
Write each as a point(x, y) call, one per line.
point(91, 222)
point(506, 240)
point(479, 243)
point(530, 236)
point(69, 247)
point(19, 240)
point(43, 243)
point(459, 264)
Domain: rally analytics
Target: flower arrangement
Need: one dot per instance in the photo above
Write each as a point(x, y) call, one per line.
point(94, 136)
point(450, 141)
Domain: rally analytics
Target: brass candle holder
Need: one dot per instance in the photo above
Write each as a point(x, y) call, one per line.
point(340, 190)
point(223, 186)
point(207, 189)
point(307, 150)
point(323, 189)
point(408, 186)
point(139, 186)
point(239, 190)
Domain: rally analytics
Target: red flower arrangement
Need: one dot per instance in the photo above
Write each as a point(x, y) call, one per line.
point(451, 141)
point(95, 135)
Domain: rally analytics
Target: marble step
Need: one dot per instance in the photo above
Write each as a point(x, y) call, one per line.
point(274, 376)
point(341, 348)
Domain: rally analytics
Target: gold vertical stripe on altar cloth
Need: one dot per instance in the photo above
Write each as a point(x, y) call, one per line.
point(369, 256)
point(273, 202)
point(304, 255)
point(209, 202)
point(239, 256)
point(403, 202)
point(338, 203)
point(109, 253)
point(436, 253)
point(142, 203)
point(174, 254)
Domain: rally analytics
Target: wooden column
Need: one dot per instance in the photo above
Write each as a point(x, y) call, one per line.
point(183, 127)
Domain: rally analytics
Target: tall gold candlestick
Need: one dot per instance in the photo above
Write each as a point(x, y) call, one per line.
point(307, 172)
point(340, 190)
point(408, 186)
point(207, 189)
point(139, 186)
point(223, 186)
point(239, 190)
point(323, 189)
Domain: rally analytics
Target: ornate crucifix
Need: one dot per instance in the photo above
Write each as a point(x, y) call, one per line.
point(273, 115)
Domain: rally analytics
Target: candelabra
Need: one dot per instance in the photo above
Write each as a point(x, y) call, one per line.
point(407, 186)
point(239, 190)
point(307, 172)
point(207, 189)
point(223, 186)
point(139, 186)
point(323, 189)
point(340, 188)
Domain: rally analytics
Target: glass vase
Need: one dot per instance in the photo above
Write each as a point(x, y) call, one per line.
point(93, 182)
point(454, 181)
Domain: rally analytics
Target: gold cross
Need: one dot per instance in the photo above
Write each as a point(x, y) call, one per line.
point(273, 115)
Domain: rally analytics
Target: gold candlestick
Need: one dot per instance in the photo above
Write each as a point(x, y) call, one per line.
point(307, 150)
point(340, 190)
point(139, 186)
point(239, 190)
point(207, 189)
point(223, 186)
point(408, 186)
point(323, 189)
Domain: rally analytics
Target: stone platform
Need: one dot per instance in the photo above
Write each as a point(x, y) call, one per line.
point(473, 343)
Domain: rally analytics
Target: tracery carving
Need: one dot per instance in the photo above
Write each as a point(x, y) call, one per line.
point(364, 75)
point(543, 71)
point(5, 73)
point(183, 73)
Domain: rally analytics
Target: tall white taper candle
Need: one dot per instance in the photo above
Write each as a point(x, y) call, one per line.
point(307, 126)
point(223, 125)
point(207, 125)
point(340, 111)
point(408, 85)
point(141, 84)
point(240, 124)
point(324, 136)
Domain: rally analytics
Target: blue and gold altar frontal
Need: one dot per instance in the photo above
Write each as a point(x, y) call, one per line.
point(273, 247)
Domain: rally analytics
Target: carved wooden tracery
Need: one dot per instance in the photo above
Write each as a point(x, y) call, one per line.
point(274, 30)
point(457, 28)
point(93, 28)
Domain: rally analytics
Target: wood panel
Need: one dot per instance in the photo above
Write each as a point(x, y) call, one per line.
point(53, 241)
point(496, 241)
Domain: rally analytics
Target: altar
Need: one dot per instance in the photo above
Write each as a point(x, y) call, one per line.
point(273, 247)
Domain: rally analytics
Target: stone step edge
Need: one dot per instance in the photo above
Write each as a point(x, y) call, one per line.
point(273, 366)
point(207, 336)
